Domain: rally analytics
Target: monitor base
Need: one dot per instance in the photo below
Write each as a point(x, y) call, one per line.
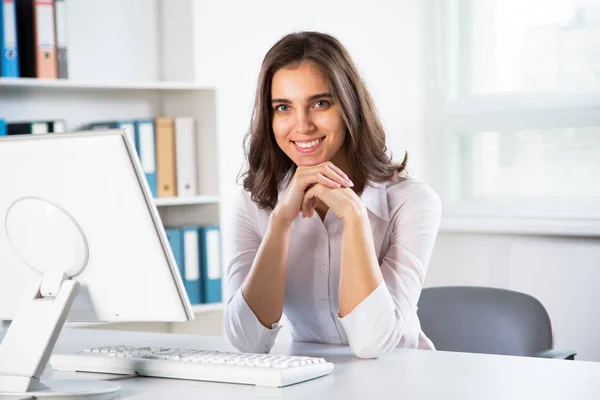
point(70, 390)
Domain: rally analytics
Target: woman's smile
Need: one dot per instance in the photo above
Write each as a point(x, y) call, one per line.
point(308, 146)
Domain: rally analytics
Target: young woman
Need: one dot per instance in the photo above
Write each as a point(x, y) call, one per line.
point(329, 230)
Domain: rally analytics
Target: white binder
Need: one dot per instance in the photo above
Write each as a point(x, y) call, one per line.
point(186, 157)
point(58, 126)
point(39, 128)
point(60, 19)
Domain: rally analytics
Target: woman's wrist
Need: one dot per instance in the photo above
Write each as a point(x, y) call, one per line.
point(355, 213)
point(277, 221)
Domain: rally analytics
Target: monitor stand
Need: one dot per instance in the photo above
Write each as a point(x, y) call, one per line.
point(49, 240)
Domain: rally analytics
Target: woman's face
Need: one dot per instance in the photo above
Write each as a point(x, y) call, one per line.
point(308, 126)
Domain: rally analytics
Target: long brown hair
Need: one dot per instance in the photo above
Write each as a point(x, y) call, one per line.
point(268, 165)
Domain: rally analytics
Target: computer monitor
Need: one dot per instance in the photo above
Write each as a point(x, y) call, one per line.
point(80, 240)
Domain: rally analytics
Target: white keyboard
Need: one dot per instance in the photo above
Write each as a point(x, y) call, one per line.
point(202, 365)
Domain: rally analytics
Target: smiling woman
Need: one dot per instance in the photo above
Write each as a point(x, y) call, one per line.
point(349, 276)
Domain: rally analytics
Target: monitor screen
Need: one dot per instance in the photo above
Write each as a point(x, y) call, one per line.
point(63, 192)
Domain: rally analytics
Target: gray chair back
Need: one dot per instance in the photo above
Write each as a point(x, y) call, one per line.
point(484, 320)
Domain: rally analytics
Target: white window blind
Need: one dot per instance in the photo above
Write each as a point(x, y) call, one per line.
point(521, 116)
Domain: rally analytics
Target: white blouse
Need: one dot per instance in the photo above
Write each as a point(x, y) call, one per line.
point(404, 218)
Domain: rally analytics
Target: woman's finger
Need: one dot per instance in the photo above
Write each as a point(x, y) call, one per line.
point(308, 205)
point(308, 200)
point(339, 171)
point(335, 174)
point(326, 173)
point(313, 206)
point(324, 180)
point(307, 178)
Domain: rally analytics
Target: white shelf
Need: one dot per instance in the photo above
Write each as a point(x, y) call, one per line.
point(68, 84)
point(182, 201)
point(202, 308)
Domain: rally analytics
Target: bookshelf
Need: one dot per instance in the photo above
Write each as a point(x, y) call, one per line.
point(81, 102)
point(131, 60)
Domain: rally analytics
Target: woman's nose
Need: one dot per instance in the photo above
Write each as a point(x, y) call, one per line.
point(303, 122)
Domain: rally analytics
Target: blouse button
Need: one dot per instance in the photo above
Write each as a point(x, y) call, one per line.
point(323, 268)
point(323, 303)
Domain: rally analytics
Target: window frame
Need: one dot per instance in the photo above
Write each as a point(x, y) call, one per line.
point(449, 107)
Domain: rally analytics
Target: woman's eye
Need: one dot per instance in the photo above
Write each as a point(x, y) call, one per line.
point(321, 103)
point(282, 107)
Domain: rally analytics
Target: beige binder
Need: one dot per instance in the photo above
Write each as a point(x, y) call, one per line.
point(166, 177)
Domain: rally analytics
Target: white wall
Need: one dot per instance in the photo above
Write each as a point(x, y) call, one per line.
point(124, 50)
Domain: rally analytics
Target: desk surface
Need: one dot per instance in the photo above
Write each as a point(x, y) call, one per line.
point(403, 374)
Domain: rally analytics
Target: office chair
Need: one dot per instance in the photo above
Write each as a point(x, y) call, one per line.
point(487, 320)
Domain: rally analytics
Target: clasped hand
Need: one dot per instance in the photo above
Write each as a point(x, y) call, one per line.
point(324, 181)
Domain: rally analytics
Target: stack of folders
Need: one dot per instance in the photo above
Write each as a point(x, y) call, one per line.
point(31, 127)
point(197, 252)
point(33, 39)
point(166, 148)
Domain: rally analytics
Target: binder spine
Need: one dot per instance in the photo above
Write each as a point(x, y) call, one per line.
point(18, 128)
point(185, 158)
point(25, 34)
point(146, 147)
point(211, 264)
point(9, 53)
point(175, 238)
point(191, 255)
point(60, 12)
point(165, 158)
point(45, 40)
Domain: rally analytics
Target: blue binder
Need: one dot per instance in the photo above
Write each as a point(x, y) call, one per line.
point(145, 139)
point(129, 127)
point(191, 264)
point(210, 266)
point(9, 54)
point(175, 237)
point(2, 128)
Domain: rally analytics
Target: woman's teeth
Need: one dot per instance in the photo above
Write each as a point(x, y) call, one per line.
point(308, 145)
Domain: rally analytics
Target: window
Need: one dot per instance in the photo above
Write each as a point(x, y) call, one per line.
point(530, 46)
point(520, 110)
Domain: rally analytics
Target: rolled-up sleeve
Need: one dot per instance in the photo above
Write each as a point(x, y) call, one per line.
point(243, 330)
point(388, 308)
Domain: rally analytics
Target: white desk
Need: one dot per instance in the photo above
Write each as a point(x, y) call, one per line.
point(403, 374)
